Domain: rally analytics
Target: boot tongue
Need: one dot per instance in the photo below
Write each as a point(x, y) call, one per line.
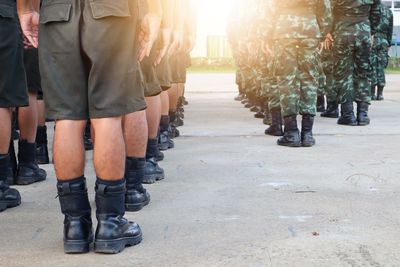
point(110, 198)
point(134, 172)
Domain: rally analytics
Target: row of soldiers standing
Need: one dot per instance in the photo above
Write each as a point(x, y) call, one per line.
point(290, 53)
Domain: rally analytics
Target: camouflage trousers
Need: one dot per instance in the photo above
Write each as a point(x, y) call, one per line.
point(352, 68)
point(379, 62)
point(297, 69)
point(271, 93)
point(269, 88)
point(239, 80)
point(327, 85)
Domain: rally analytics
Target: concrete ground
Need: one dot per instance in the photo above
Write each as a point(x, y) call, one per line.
point(232, 197)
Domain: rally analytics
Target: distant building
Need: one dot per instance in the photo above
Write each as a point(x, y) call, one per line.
point(395, 6)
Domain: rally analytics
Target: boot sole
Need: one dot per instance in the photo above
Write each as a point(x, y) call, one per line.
point(329, 116)
point(307, 145)
point(115, 246)
point(348, 124)
point(77, 247)
point(151, 179)
point(290, 145)
point(3, 207)
point(136, 207)
point(273, 134)
point(9, 204)
point(20, 180)
point(165, 147)
point(43, 162)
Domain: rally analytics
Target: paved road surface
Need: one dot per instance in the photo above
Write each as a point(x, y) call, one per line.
point(234, 198)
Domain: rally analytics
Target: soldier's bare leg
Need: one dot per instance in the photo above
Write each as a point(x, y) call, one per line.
point(28, 170)
point(69, 153)
point(28, 119)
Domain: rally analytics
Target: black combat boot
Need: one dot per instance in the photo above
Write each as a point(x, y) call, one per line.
point(113, 232)
point(276, 126)
point(260, 114)
point(373, 92)
point(321, 103)
point(9, 197)
point(179, 121)
point(173, 131)
point(267, 118)
point(291, 136)
point(332, 110)
point(153, 151)
point(180, 112)
point(87, 138)
point(164, 140)
point(362, 113)
point(347, 115)
point(249, 104)
point(263, 109)
point(245, 100)
point(184, 101)
point(28, 170)
point(380, 97)
point(74, 202)
point(174, 119)
point(307, 139)
point(136, 196)
point(239, 97)
point(42, 152)
point(152, 172)
point(255, 108)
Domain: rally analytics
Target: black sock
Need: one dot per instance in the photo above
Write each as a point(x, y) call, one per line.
point(110, 183)
point(172, 116)
point(164, 123)
point(152, 148)
point(41, 135)
point(26, 152)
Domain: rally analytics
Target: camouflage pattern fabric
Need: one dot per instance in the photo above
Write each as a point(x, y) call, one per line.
point(355, 21)
point(329, 89)
point(298, 28)
point(297, 69)
point(380, 48)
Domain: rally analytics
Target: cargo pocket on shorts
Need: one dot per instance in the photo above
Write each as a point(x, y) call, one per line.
point(106, 8)
point(7, 12)
point(55, 13)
